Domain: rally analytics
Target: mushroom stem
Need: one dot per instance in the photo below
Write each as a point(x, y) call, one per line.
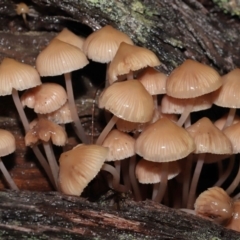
point(117, 165)
point(230, 117)
point(158, 197)
point(186, 179)
point(106, 130)
point(25, 123)
point(234, 183)
point(125, 167)
point(52, 161)
point(19, 107)
point(7, 176)
point(227, 173)
point(185, 114)
point(77, 123)
point(195, 179)
point(116, 178)
point(133, 180)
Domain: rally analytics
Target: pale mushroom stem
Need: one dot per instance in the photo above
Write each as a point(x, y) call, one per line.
point(234, 183)
point(8, 177)
point(116, 178)
point(158, 197)
point(125, 167)
point(195, 179)
point(52, 161)
point(133, 180)
point(106, 130)
point(25, 123)
point(185, 114)
point(186, 179)
point(117, 165)
point(77, 123)
point(227, 173)
point(230, 117)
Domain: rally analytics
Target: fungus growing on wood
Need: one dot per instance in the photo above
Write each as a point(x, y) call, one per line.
point(79, 166)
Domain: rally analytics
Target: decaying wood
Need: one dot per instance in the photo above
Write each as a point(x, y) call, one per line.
point(174, 30)
point(56, 216)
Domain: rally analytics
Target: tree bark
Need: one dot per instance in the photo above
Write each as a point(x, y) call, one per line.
point(55, 216)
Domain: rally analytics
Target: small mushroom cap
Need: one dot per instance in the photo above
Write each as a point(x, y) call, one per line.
point(177, 106)
point(69, 37)
point(153, 80)
point(228, 94)
point(61, 115)
point(45, 98)
point(221, 121)
point(20, 76)
point(148, 172)
point(102, 45)
point(120, 145)
point(22, 8)
point(164, 141)
point(234, 223)
point(233, 134)
point(130, 58)
point(7, 143)
point(45, 130)
point(192, 79)
point(208, 138)
point(128, 100)
point(79, 166)
point(215, 205)
point(59, 58)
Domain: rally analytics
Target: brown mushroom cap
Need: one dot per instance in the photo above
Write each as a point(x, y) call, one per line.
point(215, 205)
point(234, 223)
point(59, 58)
point(61, 115)
point(148, 172)
point(153, 81)
point(208, 138)
point(69, 37)
point(102, 45)
point(164, 141)
point(177, 106)
point(17, 75)
point(128, 100)
point(130, 58)
point(228, 94)
point(192, 79)
point(233, 134)
point(45, 130)
point(221, 121)
point(79, 166)
point(7, 143)
point(45, 98)
point(120, 145)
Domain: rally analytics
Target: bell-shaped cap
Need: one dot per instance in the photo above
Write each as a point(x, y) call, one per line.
point(20, 76)
point(120, 145)
point(7, 143)
point(59, 58)
point(130, 58)
point(164, 141)
point(208, 138)
point(128, 100)
point(102, 45)
point(192, 79)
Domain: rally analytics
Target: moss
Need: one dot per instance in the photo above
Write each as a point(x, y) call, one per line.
point(127, 19)
point(229, 6)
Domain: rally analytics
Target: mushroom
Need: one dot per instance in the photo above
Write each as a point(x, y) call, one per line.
point(22, 9)
point(7, 146)
point(215, 205)
point(62, 58)
point(79, 166)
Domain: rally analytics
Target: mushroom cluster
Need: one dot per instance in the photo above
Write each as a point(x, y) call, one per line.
point(149, 142)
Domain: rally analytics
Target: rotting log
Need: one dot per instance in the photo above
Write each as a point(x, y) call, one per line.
point(174, 30)
point(54, 216)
